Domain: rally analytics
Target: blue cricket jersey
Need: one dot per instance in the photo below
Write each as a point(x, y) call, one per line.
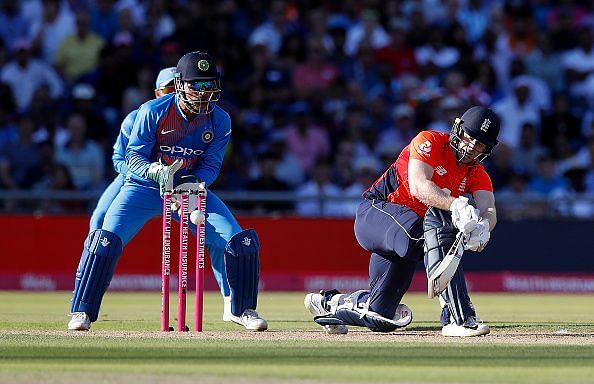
point(119, 147)
point(162, 132)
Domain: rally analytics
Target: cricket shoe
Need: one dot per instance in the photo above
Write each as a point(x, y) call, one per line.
point(403, 315)
point(471, 327)
point(316, 304)
point(250, 320)
point(80, 322)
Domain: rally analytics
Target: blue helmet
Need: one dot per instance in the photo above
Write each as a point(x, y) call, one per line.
point(481, 124)
point(198, 82)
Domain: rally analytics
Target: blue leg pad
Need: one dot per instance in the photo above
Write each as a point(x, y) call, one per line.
point(100, 255)
point(242, 264)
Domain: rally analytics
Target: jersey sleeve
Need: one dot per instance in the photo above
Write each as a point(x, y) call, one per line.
point(119, 148)
point(425, 148)
point(212, 158)
point(480, 181)
point(141, 143)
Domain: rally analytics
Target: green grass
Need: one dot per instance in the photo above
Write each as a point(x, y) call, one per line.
point(30, 345)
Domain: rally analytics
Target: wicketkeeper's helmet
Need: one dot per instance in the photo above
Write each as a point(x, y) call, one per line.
point(199, 71)
point(481, 124)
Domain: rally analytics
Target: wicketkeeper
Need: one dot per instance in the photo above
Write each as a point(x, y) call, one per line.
point(177, 139)
point(415, 210)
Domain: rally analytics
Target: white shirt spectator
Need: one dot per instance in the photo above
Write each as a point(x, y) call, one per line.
point(378, 37)
point(581, 61)
point(513, 116)
point(53, 33)
point(267, 34)
point(24, 81)
point(442, 58)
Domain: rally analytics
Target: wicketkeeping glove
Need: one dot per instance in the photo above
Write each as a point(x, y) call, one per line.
point(464, 216)
point(163, 174)
point(186, 183)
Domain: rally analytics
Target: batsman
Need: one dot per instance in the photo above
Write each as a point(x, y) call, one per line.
point(176, 142)
point(418, 210)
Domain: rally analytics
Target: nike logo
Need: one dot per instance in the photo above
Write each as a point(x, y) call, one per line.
point(164, 132)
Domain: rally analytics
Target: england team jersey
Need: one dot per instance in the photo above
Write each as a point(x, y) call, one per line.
point(433, 148)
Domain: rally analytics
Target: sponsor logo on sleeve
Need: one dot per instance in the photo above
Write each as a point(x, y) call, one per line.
point(424, 148)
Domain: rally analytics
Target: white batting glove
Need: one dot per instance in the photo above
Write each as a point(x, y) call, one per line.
point(478, 238)
point(464, 216)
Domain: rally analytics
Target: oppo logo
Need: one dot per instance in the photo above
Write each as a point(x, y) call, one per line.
point(177, 150)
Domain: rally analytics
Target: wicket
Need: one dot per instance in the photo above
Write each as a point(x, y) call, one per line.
point(185, 195)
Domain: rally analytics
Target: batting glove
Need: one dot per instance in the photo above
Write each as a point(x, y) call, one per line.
point(478, 238)
point(464, 216)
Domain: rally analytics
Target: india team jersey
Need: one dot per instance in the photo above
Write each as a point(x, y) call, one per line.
point(162, 133)
point(119, 148)
point(433, 148)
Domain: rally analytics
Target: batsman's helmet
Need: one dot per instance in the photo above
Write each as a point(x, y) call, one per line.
point(198, 82)
point(479, 123)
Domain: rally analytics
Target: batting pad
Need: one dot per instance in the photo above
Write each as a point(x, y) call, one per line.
point(102, 250)
point(442, 249)
point(242, 264)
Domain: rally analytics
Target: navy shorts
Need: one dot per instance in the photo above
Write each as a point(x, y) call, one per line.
point(389, 230)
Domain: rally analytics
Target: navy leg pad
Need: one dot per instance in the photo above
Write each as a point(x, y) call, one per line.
point(457, 298)
point(102, 250)
point(242, 265)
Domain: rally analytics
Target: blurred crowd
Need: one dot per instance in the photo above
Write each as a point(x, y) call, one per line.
point(323, 95)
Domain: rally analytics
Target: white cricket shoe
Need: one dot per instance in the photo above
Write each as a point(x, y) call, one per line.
point(80, 322)
point(250, 320)
point(403, 315)
point(314, 303)
point(471, 327)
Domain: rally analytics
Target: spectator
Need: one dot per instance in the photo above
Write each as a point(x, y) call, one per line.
point(435, 57)
point(319, 196)
point(26, 74)
point(560, 121)
point(578, 64)
point(20, 164)
point(78, 54)
point(271, 32)
point(305, 140)
point(57, 24)
point(518, 200)
point(398, 53)
point(316, 74)
point(13, 26)
point(368, 30)
point(403, 128)
point(366, 170)
point(515, 110)
point(83, 157)
point(267, 180)
point(546, 181)
point(545, 63)
point(529, 151)
point(104, 19)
